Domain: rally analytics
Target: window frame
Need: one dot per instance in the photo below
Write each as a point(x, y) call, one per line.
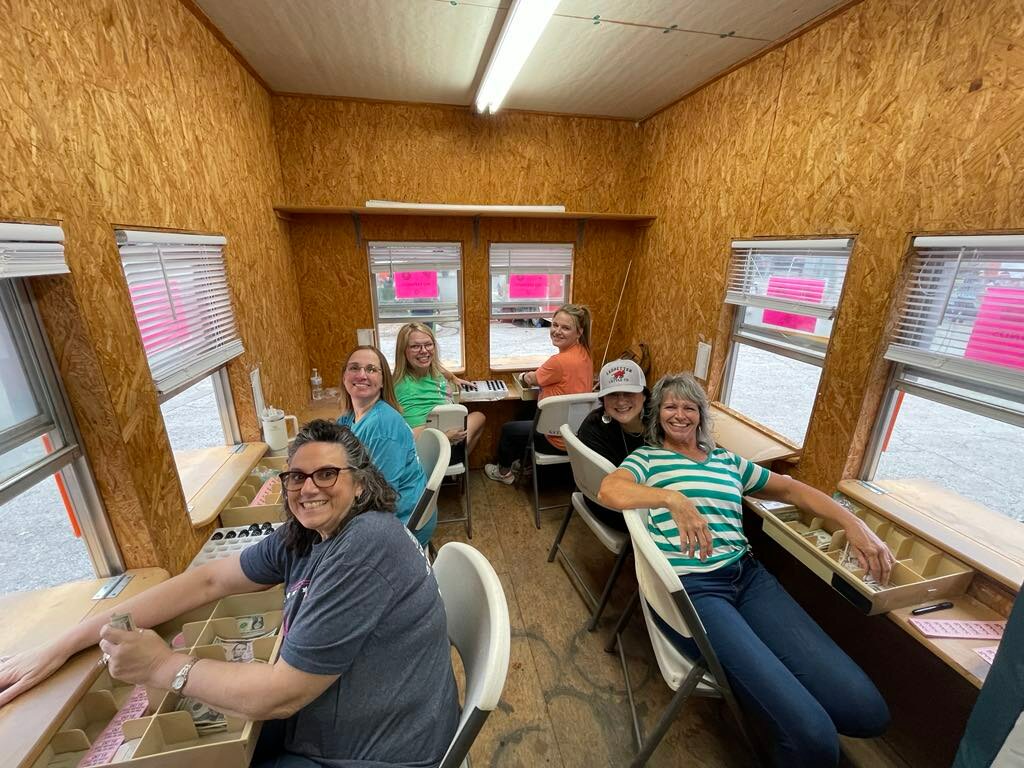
point(69, 461)
point(902, 369)
point(460, 294)
point(778, 342)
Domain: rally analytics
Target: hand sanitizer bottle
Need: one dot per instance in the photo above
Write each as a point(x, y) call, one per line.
point(316, 383)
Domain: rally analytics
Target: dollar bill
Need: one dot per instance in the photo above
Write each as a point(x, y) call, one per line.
point(122, 621)
point(206, 719)
point(819, 538)
point(251, 626)
point(126, 751)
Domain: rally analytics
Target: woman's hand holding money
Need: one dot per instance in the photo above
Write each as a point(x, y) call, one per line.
point(139, 656)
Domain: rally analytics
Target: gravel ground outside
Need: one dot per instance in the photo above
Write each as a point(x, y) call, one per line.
point(977, 457)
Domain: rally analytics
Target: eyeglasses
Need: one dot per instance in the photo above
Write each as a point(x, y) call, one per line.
point(324, 477)
point(370, 369)
point(422, 347)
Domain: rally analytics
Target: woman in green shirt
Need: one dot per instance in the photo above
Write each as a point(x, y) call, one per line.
point(422, 383)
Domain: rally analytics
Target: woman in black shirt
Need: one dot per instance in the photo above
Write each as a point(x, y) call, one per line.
point(616, 429)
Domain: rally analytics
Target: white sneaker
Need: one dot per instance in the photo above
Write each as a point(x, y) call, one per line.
point(494, 473)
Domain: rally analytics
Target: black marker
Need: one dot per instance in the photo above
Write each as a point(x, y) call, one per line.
point(931, 608)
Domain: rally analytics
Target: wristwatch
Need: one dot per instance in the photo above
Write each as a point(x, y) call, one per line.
point(178, 683)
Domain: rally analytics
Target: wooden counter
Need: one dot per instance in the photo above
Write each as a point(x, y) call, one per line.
point(744, 437)
point(33, 618)
point(210, 477)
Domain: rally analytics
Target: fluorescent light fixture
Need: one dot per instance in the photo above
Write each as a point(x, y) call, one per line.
point(461, 208)
point(524, 23)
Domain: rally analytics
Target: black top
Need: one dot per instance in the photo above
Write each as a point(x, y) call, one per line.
point(615, 444)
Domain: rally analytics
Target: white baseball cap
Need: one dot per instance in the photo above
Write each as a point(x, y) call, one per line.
point(621, 376)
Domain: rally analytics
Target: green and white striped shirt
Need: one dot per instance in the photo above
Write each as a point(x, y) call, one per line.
point(715, 486)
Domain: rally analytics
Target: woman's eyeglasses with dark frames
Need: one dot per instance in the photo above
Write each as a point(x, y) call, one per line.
point(323, 477)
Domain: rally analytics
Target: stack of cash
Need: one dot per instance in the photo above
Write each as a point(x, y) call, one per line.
point(239, 647)
point(206, 719)
point(819, 538)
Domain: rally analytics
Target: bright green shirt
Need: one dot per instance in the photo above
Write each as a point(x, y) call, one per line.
point(418, 396)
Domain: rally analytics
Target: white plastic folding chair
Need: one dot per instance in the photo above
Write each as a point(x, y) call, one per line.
point(478, 627)
point(433, 451)
point(552, 413)
point(660, 590)
point(589, 468)
point(443, 418)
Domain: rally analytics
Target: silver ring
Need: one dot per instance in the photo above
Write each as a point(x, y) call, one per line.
point(104, 659)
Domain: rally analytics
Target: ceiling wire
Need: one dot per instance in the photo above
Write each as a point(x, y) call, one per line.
point(592, 19)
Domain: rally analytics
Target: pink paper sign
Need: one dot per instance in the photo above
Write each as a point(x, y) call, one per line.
point(998, 333)
point(173, 325)
point(528, 286)
point(807, 289)
point(416, 285)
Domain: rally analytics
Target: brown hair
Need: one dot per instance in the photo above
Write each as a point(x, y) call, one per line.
point(387, 392)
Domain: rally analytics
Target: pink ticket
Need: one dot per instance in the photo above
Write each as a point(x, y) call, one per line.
point(971, 630)
point(111, 737)
point(271, 486)
point(988, 653)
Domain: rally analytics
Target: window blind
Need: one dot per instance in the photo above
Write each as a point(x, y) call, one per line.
point(963, 312)
point(802, 277)
point(28, 250)
point(414, 257)
point(531, 258)
point(182, 303)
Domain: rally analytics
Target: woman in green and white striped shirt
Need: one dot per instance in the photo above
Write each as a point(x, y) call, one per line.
point(791, 679)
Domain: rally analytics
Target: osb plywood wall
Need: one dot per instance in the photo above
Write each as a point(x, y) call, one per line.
point(346, 152)
point(334, 286)
point(895, 117)
point(130, 113)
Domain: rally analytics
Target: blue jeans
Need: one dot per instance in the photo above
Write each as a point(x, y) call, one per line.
point(796, 687)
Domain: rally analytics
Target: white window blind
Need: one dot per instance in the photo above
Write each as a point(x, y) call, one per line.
point(529, 280)
point(28, 250)
point(415, 281)
point(531, 258)
point(963, 312)
point(794, 277)
point(179, 290)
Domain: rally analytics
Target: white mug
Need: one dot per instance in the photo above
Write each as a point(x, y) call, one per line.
point(275, 429)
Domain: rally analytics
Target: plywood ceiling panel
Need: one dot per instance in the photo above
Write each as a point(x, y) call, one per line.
point(626, 65)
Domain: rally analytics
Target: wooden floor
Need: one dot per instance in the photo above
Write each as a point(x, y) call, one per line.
point(565, 701)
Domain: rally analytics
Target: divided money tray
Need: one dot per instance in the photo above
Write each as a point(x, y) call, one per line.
point(922, 572)
point(167, 738)
point(248, 505)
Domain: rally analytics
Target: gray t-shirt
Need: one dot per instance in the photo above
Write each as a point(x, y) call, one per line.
point(365, 605)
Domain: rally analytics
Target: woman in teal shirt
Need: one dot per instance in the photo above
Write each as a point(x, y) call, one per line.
point(422, 383)
point(369, 408)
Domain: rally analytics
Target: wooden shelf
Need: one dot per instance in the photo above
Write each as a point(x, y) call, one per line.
point(210, 476)
point(754, 442)
point(643, 219)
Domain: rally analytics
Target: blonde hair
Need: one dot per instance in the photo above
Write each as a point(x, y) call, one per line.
point(402, 367)
point(580, 314)
point(387, 391)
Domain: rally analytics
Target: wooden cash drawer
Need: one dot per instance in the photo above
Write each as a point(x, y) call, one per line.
point(922, 571)
point(258, 498)
point(166, 737)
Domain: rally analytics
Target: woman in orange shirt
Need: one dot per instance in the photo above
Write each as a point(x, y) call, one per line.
point(569, 372)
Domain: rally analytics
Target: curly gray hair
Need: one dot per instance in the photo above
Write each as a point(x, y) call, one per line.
point(685, 387)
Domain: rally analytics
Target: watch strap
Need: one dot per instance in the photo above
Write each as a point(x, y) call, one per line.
point(181, 677)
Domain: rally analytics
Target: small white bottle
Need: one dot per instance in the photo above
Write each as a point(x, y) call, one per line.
point(316, 383)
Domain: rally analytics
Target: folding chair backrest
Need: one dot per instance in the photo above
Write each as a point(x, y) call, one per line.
point(589, 467)
point(553, 412)
point(659, 584)
point(445, 417)
point(434, 452)
point(478, 627)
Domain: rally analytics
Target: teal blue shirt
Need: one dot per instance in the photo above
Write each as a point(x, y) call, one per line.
point(390, 442)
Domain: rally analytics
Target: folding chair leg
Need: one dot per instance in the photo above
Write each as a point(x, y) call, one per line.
point(469, 507)
point(688, 686)
point(536, 496)
point(623, 621)
point(561, 533)
point(599, 609)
